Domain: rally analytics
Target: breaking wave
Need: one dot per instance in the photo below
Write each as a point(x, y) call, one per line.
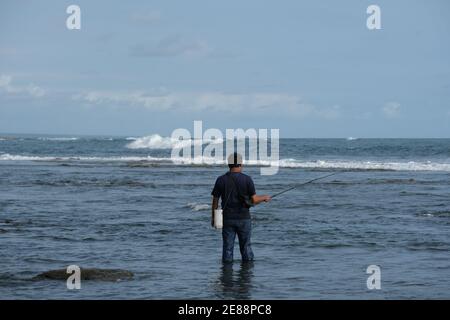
point(58, 139)
point(283, 163)
point(198, 206)
point(9, 157)
point(155, 141)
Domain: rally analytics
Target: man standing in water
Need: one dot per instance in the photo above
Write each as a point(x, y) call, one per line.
point(238, 194)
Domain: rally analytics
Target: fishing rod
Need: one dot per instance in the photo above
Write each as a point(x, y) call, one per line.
point(289, 189)
point(424, 194)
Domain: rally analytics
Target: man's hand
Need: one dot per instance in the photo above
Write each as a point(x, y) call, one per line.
point(256, 199)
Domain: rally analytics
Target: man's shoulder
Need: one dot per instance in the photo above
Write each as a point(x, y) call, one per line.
point(246, 175)
point(240, 175)
point(221, 177)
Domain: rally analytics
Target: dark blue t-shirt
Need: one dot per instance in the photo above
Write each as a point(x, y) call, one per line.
point(235, 208)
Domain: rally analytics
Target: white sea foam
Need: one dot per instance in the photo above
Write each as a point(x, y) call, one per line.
point(57, 138)
point(9, 157)
point(283, 163)
point(198, 206)
point(367, 165)
point(155, 141)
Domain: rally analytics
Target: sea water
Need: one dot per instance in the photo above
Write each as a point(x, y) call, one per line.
point(122, 203)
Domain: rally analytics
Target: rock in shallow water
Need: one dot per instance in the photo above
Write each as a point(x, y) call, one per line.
point(88, 274)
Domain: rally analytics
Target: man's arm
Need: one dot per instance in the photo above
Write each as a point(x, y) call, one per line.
point(257, 199)
point(214, 206)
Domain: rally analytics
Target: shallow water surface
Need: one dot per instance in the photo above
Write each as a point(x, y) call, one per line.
point(97, 203)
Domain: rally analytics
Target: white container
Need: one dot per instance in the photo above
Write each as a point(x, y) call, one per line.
point(218, 218)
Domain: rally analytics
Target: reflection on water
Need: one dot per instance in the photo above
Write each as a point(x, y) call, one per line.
point(236, 284)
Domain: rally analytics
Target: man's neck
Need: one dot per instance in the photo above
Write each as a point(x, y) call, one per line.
point(235, 170)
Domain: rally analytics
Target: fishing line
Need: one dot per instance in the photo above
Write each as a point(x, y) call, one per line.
point(302, 184)
point(424, 194)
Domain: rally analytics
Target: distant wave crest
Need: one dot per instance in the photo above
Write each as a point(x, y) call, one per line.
point(198, 206)
point(155, 141)
point(58, 138)
point(283, 163)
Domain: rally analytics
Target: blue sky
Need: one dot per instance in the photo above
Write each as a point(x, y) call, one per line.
point(309, 68)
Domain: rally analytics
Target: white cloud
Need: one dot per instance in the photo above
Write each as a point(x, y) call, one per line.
point(171, 46)
point(30, 89)
point(259, 103)
point(391, 109)
point(5, 81)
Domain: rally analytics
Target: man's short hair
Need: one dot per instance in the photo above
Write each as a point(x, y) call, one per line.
point(234, 160)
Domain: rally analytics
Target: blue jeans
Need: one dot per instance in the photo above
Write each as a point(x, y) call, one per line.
point(241, 227)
